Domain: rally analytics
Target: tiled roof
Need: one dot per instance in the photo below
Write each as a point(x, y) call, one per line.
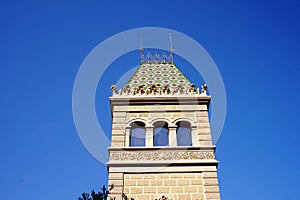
point(160, 75)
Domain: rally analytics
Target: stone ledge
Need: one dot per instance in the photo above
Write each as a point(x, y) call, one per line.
point(164, 168)
point(166, 163)
point(162, 148)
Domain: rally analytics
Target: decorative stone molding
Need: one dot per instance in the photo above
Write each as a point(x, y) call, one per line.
point(162, 155)
point(149, 91)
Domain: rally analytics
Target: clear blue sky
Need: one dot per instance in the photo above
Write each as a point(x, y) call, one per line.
point(255, 45)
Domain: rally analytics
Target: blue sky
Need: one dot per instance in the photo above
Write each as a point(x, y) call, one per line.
point(43, 43)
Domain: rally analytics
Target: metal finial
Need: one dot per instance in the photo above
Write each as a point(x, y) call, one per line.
point(171, 46)
point(141, 48)
point(141, 43)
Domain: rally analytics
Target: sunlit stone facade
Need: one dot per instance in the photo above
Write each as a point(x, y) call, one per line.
point(161, 141)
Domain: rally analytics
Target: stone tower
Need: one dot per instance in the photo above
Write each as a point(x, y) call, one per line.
point(161, 142)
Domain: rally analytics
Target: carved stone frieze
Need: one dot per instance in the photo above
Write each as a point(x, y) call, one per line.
point(162, 155)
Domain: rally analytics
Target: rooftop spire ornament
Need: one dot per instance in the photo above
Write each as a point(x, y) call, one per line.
point(141, 44)
point(156, 58)
point(171, 47)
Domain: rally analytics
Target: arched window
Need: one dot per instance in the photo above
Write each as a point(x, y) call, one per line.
point(137, 134)
point(161, 134)
point(183, 132)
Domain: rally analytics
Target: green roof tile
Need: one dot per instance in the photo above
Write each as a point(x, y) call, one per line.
point(160, 75)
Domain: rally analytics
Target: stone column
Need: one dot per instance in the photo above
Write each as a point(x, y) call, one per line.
point(172, 136)
point(127, 136)
point(149, 136)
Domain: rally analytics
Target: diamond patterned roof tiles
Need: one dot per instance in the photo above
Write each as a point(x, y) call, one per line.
point(160, 75)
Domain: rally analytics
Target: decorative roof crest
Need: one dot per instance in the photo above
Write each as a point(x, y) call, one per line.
point(156, 58)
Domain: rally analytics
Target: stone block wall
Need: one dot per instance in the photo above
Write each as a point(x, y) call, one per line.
point(181, 186)
point(189, 182)
point(116, 179)
point(176, 186)
point(122, 115)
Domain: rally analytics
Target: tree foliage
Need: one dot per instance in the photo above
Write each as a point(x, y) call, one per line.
point(101, 195)
point(104, 195)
